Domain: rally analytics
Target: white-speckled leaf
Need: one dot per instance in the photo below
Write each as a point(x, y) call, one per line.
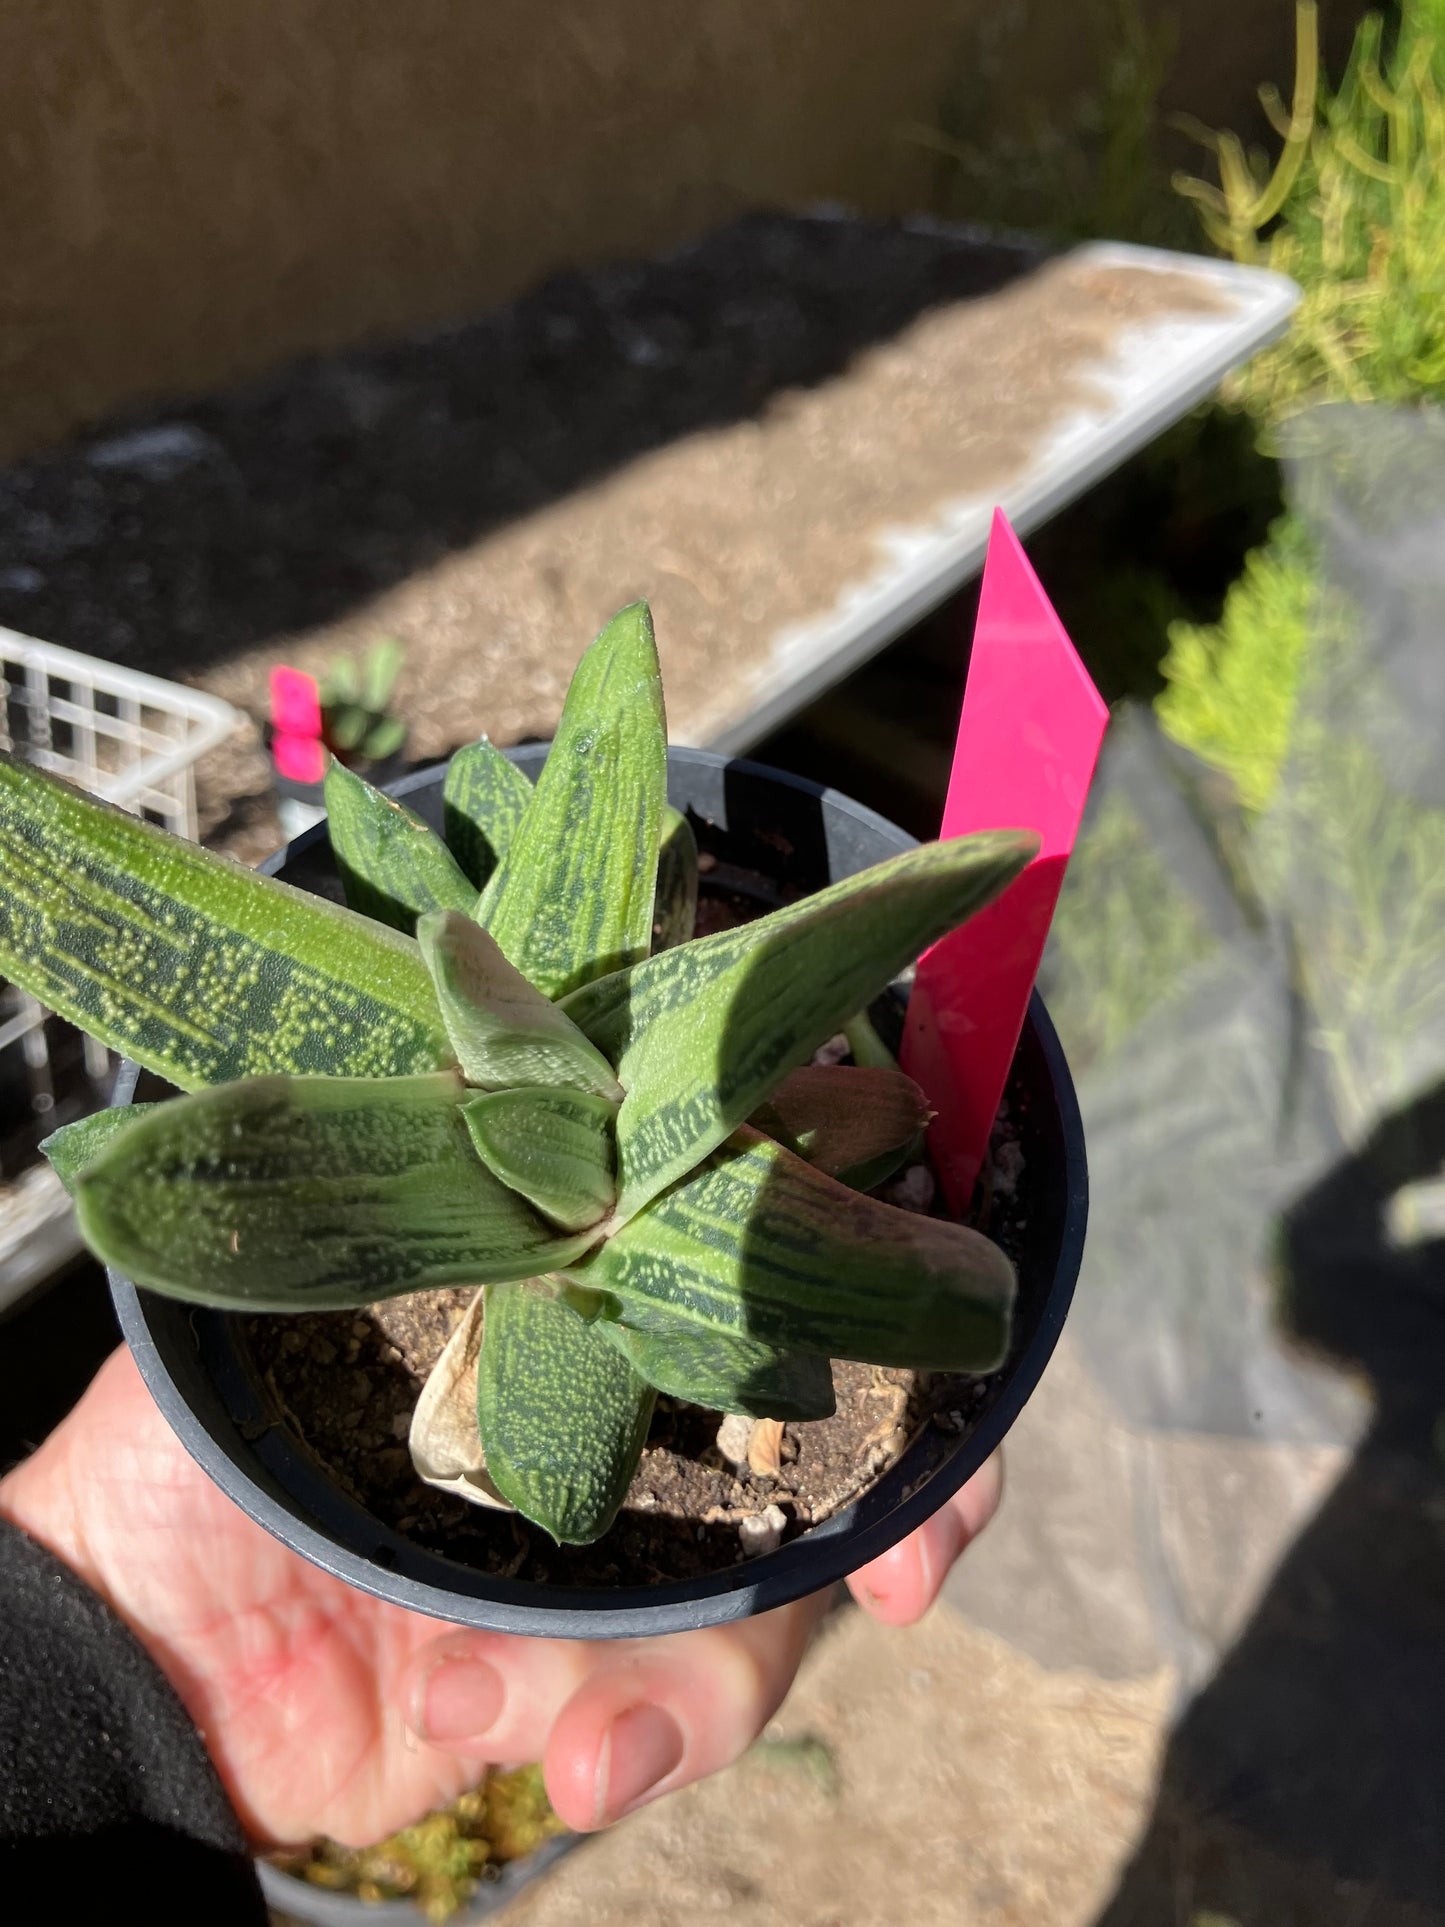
point(757, 1244)
point(572, 898)
point(554, 1148)
point(484, 798)
point(675, 911)
point(74, 1146)
point(702, 1035)
point(195, 967)
point(727, 1371)
point(392, 866)
point(563, 1417)
point(308, 1194)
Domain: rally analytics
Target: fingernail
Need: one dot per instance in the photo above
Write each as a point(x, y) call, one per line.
point(641, 1747)
point(459, 1700)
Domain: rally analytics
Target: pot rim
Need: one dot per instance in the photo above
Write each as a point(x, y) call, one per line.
point(817, 1558)
point(290, 1894)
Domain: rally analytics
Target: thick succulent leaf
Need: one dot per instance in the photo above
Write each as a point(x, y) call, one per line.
point(384, 738)
point(484, 799)
point(554, 1147)
point(727, 1372)
point(346, 726)
point(308, 1194)
point(675, 910)
point(504, 1031)
point(392, 866)
point(197, 968)
point(340, 684)
point(76, 1145)
point(382, 666)
point(445, 1442)
point(758, 1244)
point(563, 1416)
point(852, 1124)
point(572, 898)
point(700, 1036)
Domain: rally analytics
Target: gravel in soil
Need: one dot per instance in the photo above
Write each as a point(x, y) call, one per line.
point(345, 1385)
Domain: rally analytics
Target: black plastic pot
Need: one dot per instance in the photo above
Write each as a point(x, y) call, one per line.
point(298, 1898)
point(751, 819)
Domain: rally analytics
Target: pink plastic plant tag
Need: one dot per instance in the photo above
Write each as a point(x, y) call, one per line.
point(1027, 743)
point(300, 759)
point(295, 703)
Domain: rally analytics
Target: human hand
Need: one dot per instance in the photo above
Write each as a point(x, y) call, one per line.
point(328, 1711)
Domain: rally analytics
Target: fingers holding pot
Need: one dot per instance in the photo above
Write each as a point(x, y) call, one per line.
point(901, 1584)
point(655, 1715)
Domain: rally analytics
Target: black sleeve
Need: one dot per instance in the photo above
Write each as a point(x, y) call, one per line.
point(107, 1794)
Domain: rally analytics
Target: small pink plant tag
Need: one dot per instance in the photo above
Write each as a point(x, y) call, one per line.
point(1027, 744)
point(300, 759)
point(296, 746)
point(295, 702)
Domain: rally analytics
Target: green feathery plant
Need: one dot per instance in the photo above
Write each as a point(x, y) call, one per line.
point(504, 1067)
point(1231, 686)
point(1353, 209)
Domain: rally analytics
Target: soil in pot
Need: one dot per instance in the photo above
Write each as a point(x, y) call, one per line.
point(345, 1385)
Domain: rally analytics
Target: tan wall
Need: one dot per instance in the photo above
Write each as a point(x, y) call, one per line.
point(193, 190)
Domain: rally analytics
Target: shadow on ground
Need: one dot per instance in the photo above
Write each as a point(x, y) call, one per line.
point(1305, 1786)
point(184, 536)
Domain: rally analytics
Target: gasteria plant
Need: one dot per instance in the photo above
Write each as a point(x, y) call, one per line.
point(505, 1067)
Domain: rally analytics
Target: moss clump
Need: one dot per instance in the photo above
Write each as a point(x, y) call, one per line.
point(438, 1862)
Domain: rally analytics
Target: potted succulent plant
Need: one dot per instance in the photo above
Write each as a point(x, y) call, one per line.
point(509, 1092)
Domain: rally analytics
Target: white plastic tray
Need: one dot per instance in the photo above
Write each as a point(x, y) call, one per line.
point(122, 735)
point(1157, 372)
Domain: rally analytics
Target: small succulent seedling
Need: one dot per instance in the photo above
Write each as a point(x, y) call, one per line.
point(504, 1068)
point(356, 721)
